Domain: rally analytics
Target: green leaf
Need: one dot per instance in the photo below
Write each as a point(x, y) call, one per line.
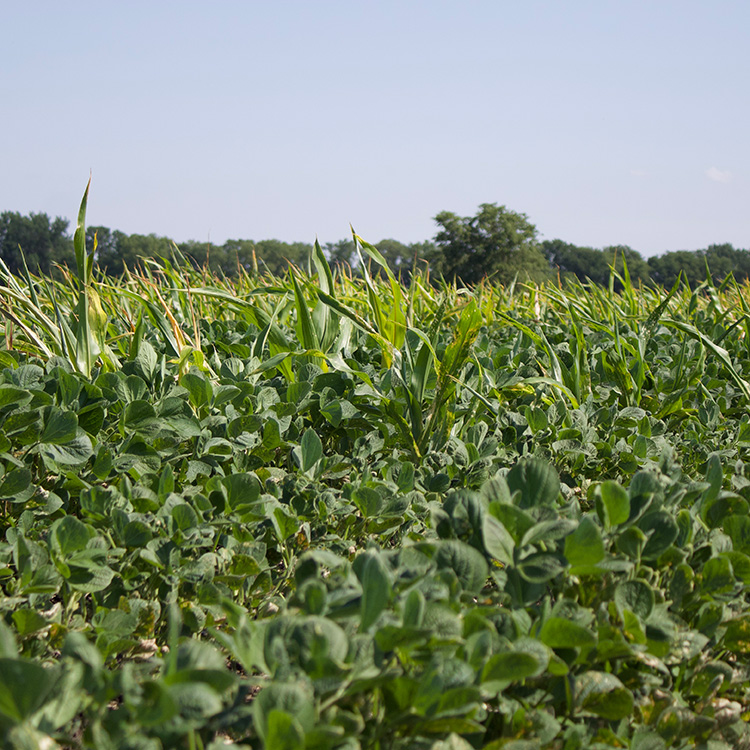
point(154, 706)
point(86, 347)
point(184, 516)
point(90, 580)
point(612, 504)
point(737, 636)
point(585, 545)
point(8, 645)
point(557, 632)
point(46, 580)
point(601, 693)
point(79, 240)
point(199, 389)
point(138, 458)
point(740, 565)
point(338, 411)
point(242, 490)
point(496, 491)
point(137, 414)
point(718, 576)
point(661, 530)
point(548, 531)
point(325, 277)
point(716, 510)
point(540, 568)
point(466, 562)
point(60, 426)
point(509, 667)
point(136, 534)
point(24, 687)
point(368, 501)
point(284, 524)
point(307, 333)
point(537, 418)
point(635, 596)
point(224, 394)
point(147, 361)
point(283, 731)
point(738, 528)
point(294, 698)
point(311, 450)
point(645, 739)
point(195, 700)
point(73, 453)
point(631, 542)
point(11, 395)
point(15, 482)
point(28, 621)
point(516, 521)
point(69, 535)
point(497, 541)
point(271, 435)
point(166, 481)
point(376, 590)
point(536, 481)
point(719, 352)
point(405, 479)
point(414, 609)
point(452, 742)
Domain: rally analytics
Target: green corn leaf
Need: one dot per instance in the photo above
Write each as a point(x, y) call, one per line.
point(308, 335)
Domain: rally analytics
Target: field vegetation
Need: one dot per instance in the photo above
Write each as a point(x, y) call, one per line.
point(496, 243)
point(324, 510)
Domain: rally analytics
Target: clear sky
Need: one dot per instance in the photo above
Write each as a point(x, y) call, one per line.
point(606, 122)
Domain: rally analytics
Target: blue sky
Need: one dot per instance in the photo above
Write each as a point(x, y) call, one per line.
point(606, 122)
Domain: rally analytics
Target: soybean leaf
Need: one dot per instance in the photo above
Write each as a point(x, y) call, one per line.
point(510, 666)
point(311, 450)
point(557, 632)
point(59, 426)
point(466, 562)
point(612, 504)
point(24, 687)
point(585, 545)
point(72, 453)
point(69, 535)
point(15, 482)
point(376, 587)
point(603, 694)
point(536, 481)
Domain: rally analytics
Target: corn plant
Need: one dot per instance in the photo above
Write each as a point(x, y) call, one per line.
point(327, 511)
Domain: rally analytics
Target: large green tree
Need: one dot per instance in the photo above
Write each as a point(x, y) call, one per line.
point(667, 267)
point(720, 260)
point(115, 249)
point(590, 264)
point(638, 268)
point(725, 259)
point(497, 243)
point(44, 241)
point(573, 260)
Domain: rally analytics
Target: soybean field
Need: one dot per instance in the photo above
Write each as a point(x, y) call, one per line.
point(331, 511)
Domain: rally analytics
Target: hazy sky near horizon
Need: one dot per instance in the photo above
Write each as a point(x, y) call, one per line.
point(606, 122)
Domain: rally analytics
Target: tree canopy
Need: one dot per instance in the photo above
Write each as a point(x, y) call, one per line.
point(570, 260)
point(44, 241)
point(497, 243)
point(719, 260)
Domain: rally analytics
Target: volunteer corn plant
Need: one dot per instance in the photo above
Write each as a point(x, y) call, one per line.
point(328, 511)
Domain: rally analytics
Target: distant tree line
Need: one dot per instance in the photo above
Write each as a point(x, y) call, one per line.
point(495, 243)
